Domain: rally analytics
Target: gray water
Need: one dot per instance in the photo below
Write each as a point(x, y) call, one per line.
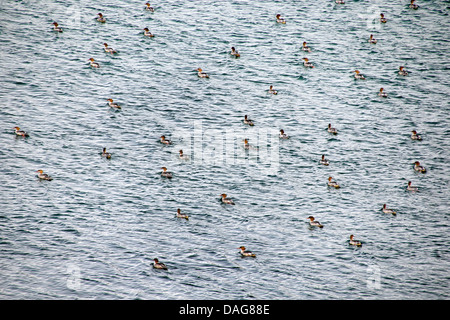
point(93, 231)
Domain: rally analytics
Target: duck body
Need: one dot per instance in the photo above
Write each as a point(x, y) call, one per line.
point(147, 33)
point(283, 135)
point(235, 53)
point(43, 176)
point(412, 5)
point(415, 135)
point(112, 104)
point(354, 242)
point(202, 74)
point(182, 156)
point(372, 39)
point(280, 19)
point(93, 64)
point(332, 130)
point(56, 27)
point(105, 154)
point(359, 76)
point(101, 18)
point(307, 64)
point(419, 168)
point(332, 183)
point(149, 8)
point(409, 187)
point(165, 141)
point(388, 211)
point(159, 265)
point(109, 49)
point(165, 173)
point(246, 253)
point(272, 91)
point(324, 161)
point(402, 71)
point(248, 121)
point(226, 200)
point(181, 215)
point(382, 18)
point(382, 93)
point(20, 133)
point(314, 223)
point(305, 47)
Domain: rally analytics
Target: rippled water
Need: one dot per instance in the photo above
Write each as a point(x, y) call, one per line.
point(93, 231)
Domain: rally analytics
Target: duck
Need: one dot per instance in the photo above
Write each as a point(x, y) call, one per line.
point(235, 53)
point(149, 8)
point(105, 154)
point(183, 156)
point(280, 19)
point(272, 91)
point(181, 215)
point(283, 135)
point(415, 135)
point(166, 173)
point(358, 75)
point(56, 28)
point(332, 183)
point(109, 49)
point(402, 71)
point(147, 33)
point(43, 176)
point(226, 200)
point(324, 161)
point(354, 242)
point(332, 130)
point(372, 39)
point(246, 253)
point(248, 121)
point(20, 133)
point(419, 168)
point(314, 223)
point(202, 74)
point(158, 265)
point(305, 47)
point(340, 1)
point(112, 104)
point(382, 93)
point(101, 18)
point(307, 64)
point(386, 210)
point(93, 63)
point(382, 18)
point(409, 187)
point(165, 141)
point(412, 5)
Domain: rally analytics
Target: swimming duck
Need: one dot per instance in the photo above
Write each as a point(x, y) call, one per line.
point(165, 141)
point(108, 49)
point(382, 93)
point(358, 75)
point(181, 215)
point(307, 64)
point(246, 253)
point(20, 133)
point(283, 135)
point(354, 242)
point(183, 156)
point(272, 91)
point(280, 19)
point(147, 33)
point(248, 121)
point(100, 18)
point(166, 173)
point(372, 39)
point(386, 210)
point(402, 71)
point(235, 53)
point(324, 161)
point(202, 74)
point(314, 223)
point(419, 168)
point(149, 8)
point(305, 47)
point(158, 265)
point(226, 200)
point(56, 28)
point(332, 183)
point(382, 18)
point(93, 63)
point(411, 188)
point(415, 135)
point(105, 154)
point(43, 176)
point(340, 1)
point(332, 130)
point(112, 104)
point(413, 5)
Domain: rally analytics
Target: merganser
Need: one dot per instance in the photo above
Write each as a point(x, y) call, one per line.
point(248, 121)
point(43, 176)
point(314, 223)
point(166, 173)
point(332, 183)
point(272, 91)
point(234, 52)
point(324, 161)
point(415, 135)
point(354, 242)
point(93, 63)
point(113, 104)
point(165, 141)
point(280, 19)
point(226, 200)
point(305, 47)
point(183, 156)
point(100, 18)
point(402, 72)
point(411, 188)
point(382, 93)
point(181, 215)
point(419, 168)
point(108, 49)
point(56, 28)
point(148, 8)
point(20, 132)
point(202, 74)
point(382, 18)
point(105, 154)
point(340, 1)
point(147, 33)
point(372, 39)
point(246, 144)
point(246, 253)
point(307, 64)
point(358, 75)
point(413, 5)
point(158, 265)
point(283, 135)
point(386, 210)
point(331, 130)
